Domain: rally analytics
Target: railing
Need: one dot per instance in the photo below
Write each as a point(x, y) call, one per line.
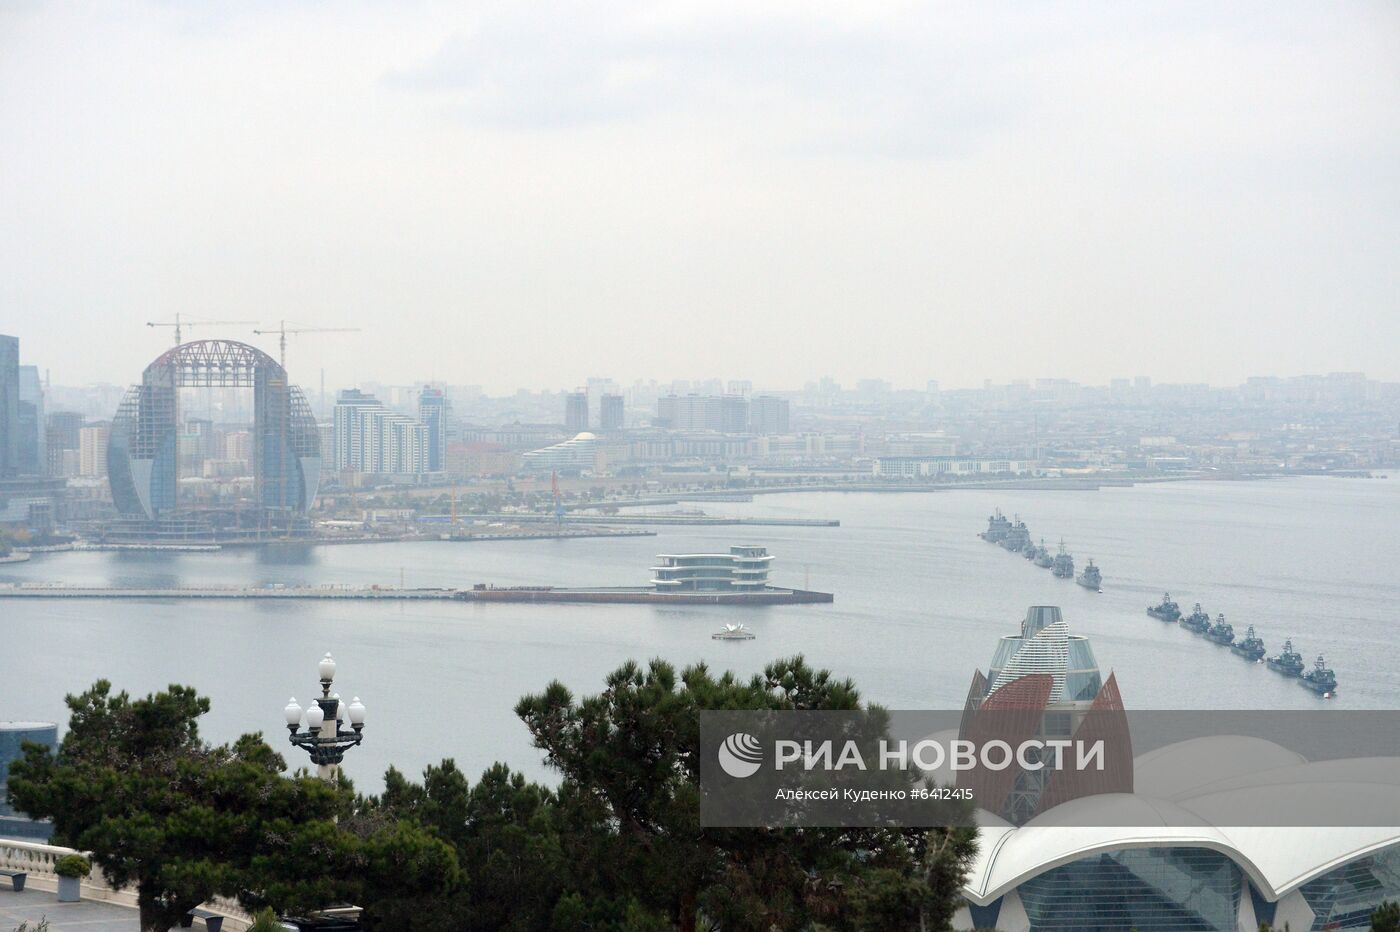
point(38, 860)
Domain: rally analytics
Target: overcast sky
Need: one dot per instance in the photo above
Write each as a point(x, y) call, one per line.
point(528, 195)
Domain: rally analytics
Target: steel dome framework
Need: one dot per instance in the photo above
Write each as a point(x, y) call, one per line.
point(143, 450)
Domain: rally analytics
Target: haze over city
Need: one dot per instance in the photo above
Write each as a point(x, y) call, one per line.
point(511, 197)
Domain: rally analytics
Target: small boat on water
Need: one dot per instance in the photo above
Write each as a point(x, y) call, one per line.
point(1198, 622)
point(1167, 611)
point(1320, 679)
point(734, 633)
point(1251, 648)
point(1063, 567)
point(1222, 632)
point(1091, 578)
point(1289, 662)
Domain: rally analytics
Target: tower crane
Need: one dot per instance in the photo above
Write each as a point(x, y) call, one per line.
point(179, 324)
point(282, 331)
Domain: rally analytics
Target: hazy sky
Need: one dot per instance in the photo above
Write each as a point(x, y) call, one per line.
point(514, 194)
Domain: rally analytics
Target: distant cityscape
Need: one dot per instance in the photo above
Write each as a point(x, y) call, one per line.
point(56, 476)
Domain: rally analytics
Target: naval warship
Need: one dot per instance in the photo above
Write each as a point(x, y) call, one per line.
point(1198, 622)
point(1167, 611)
point(1222, 632)
point(1043, 558)
point(1289, 663)
point(1320, 679)
point(1251, 648)
point(997, 526)
point(1091, 578)
point(1063, 567)
point(1018, 536)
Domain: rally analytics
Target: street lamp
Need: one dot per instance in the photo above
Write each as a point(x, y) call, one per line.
point(324, 740)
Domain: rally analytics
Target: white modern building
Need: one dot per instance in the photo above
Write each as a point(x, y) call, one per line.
point(743, 568)
point(370, 438)
point(922, 467)
point(1170, 857)
point(576, 455)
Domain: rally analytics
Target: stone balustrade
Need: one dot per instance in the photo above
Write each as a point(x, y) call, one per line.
point(38, 860)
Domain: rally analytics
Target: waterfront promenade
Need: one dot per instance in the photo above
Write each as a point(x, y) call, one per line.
point(478, 593)
point(42, 591)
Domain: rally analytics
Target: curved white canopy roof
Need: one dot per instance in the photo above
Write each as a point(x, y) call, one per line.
point(1208, 787)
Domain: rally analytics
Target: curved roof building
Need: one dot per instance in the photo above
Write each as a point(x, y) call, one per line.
point(1171, 861)
point(578, 454)
point(143, 447)
point(1181, 838)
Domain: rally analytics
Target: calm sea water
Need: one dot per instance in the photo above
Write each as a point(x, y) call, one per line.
point(920, 603)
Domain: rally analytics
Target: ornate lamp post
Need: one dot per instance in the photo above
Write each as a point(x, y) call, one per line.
point(324, 740)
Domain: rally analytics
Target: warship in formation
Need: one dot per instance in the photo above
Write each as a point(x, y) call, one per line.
point(1091, 578)
point(1198, 622)
point(1018, 536)
point(1320, 679)
point(997, 528)
point(1222, 632)
point(1063, 567)
point(1289, 662)
point(1251, 648)
point(1043, 557)
point(1167, 611)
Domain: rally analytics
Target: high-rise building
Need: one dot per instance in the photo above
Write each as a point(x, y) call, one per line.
point(724, 413)
point(196, 444)
point(611, 414)
point(435, 411)
point(9, 406)
point(63, 428)
point(238, 446)
point(740, 387)
point(769, 415)
point(33, 459)
point(92, 450)
point(370, 438)
point(346, 426)
point(55, 445)
point(576, 412)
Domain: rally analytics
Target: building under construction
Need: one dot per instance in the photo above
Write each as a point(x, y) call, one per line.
point(143, 462)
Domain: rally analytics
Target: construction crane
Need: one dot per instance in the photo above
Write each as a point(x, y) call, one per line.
point(179, 324)
point(282, 331)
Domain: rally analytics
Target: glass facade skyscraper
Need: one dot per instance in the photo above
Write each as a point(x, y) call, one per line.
point(9, 406)
point(435, 411)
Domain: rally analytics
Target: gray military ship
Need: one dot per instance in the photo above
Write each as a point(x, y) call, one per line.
point(1043, 559)
point(1168, 610)
point(1063, 567)
point(1198, 622)
point(1251, 648)
point(1091, 578)
point(1018, 536)
point(997, 526)
point(1320, 679)
point(1222, 632)
point(1289, 662)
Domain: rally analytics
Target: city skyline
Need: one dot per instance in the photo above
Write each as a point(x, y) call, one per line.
point(702, 384)
point(1198, 194)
